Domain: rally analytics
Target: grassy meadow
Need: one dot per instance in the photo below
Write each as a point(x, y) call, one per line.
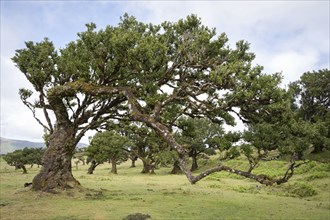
point(164, 196)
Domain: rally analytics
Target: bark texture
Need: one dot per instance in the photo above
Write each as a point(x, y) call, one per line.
point(56, 172)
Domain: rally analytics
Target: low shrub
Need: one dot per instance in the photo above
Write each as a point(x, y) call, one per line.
point(300, 190)
point(317, 175)
point(248, 189)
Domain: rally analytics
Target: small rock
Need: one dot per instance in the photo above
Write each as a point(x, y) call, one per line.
point(137, 216)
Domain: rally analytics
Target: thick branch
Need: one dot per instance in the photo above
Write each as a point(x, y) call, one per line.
point(261, 178)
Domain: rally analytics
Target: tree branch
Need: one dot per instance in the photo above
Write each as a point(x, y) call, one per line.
point(32, 108)
point(43, 104)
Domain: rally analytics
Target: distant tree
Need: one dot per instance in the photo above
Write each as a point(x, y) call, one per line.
point(80, 155)
point(16, 159)
point(313, 95)
point(20, 158)
point(146, 146)
point(34, 155)
point(312, 104)
point(107, 146)
point(226, 144)
point(292, 137)
point(282, 131)
point(198, 136)
point(132, 156)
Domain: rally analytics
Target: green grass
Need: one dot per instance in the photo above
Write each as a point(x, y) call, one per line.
point(164, 196)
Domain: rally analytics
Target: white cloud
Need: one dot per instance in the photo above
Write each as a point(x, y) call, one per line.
point(16, 120)
point(17, 123)
point(292, 62)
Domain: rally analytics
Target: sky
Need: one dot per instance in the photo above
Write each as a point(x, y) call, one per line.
point(291, 37)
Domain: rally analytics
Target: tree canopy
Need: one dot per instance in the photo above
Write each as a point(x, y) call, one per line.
point(108, 146)
point(200, 136)
point(312, 105)
point(147, 73)
point(20, 158)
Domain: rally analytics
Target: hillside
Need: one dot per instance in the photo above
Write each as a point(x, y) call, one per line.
point(10, 145)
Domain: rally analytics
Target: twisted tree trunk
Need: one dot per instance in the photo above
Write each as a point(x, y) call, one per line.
point(146, 166)
point(176, 168)
point(21, 166)
point(92, 167)
point(56, 172)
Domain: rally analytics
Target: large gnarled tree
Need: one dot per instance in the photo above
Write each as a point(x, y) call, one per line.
point(149, 73)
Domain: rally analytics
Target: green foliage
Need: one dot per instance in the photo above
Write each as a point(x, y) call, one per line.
point(313, 89)
point(233, 153)
point(297, 189)
point(311, 102)
point(223, 175)
point(317, 175)
point(107, 146)
point(145, 145)
point(323, 156)
point(254, 189)
point(299, 127)
point(290, 136)
point(264, 136)
point(200, 136)
point(37, 62)
point(185, 56)
point(159, 75)
point(19, 158)
point(273, 168)
point(298, 137)
point(301, 190)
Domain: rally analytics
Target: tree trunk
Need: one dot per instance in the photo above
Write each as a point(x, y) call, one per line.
point(146, 167)
point(24, 170)
point(21, 166)
point(133, 164)
point(133, 159)
point(176, 168)
point(76, 162)
point(56, 172)
point(152, 169)
point(113, 167)
point(194, 164)
point(92, 167)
